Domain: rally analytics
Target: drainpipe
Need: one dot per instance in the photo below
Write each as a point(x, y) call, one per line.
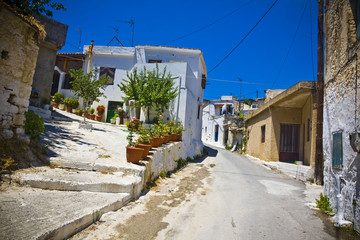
point(178, 105)
point(339, 216)
point(90, 56)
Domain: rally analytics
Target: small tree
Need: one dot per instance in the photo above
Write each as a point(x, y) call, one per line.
point(149, 89)
point(35, 7)
point(88, 86)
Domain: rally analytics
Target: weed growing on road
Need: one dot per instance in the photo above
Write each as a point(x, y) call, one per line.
point(197, 157)
point(188, 159)
point(205, 151)
point(162, 174)
point(323, 204)
point(181, 163)
point(227, 147)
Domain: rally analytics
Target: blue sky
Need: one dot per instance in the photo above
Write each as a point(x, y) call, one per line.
point(259, 61)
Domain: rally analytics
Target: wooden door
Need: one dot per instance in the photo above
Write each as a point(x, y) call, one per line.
point(289, 142)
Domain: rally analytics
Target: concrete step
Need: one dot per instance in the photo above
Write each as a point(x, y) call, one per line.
point(72, 180)
point(31, 213)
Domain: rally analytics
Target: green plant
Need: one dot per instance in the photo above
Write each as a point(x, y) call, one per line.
point(58, 97)
point(354, 202)
point(197, 157)
point(133, 125)
point(323, 204)
point(115, 116)
point(100, 109)
point(68, 102)
point(5, 163)
point(45, 101)
point(241, 116)
point(92, 110)
point(88, 86)
point(74, 103)
point(34, 125)
point(181, 163)
point(178, 128)
point(227, 147)
point(144, 139)
point(162, 174)
point(130, 138)
point(35, 7)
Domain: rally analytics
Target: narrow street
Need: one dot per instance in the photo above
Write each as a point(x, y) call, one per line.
point(225, 196)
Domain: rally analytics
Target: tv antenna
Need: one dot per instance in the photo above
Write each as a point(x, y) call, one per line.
point(115, 36)
point(80, 31)
point(132, 24)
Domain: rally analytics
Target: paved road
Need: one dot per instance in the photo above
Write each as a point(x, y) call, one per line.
point(226, 196)
point(246, 201)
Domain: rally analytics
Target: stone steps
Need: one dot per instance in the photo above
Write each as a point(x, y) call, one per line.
point(72, 180)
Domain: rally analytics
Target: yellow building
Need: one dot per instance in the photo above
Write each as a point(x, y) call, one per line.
point(284, 127)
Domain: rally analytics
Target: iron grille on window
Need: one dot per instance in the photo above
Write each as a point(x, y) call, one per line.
point(337, 151)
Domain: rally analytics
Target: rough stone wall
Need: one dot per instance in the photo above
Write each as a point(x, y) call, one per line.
point(19, 49)
point(341, 106)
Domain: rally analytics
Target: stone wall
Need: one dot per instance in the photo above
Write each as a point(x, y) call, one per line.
point(19, 46)
point(341, 108)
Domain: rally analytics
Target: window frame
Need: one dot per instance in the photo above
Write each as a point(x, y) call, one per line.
point(112, 79)
point(337, 156)
point(263, 131)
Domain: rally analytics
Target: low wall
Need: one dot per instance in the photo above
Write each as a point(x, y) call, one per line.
point(163, 158)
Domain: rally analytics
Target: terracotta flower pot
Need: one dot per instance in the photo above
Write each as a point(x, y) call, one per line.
point(178, 137)
point(98, 118)
point(163, 140)
point(92, 116)
point(86, 115)
point(68, 109)
point(146, 148)
point(173, 137)
point(55, 105)
point(167, 138)
point(156, 141)
point(133, 154)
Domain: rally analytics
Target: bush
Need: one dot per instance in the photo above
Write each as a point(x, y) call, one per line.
point(227, 147)
point(58, 97)
point(74, 103)
point(181, 163)
point(205, 151)
point(323, 204)
point(68, 101)
point(34, 125)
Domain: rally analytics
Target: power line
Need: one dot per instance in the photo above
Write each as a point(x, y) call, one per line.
point(221, 80)
point(237, 45)
point(208, 25)
point(311, 43)
point(292, 42)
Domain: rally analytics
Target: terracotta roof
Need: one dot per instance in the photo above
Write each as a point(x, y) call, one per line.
point(71, 55)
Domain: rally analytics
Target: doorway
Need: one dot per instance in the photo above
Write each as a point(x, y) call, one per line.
point(289, 143)
point(216, 133)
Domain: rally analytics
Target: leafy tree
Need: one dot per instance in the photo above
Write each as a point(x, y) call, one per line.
point(88, 86)
point(149, 89)
point(35, 7)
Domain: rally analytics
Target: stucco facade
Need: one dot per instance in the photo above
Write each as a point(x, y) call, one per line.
point(283, 129)
point(19, 46)
point(188, 69)
point(341, 109)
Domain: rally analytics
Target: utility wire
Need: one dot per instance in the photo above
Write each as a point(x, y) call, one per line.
point(209, 25)
point(311, 43)
point(230, 81)
point(237, 45)
point(292, 42)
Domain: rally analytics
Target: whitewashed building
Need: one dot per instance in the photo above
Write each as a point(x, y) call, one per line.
point(218, 122)
point(187, 66)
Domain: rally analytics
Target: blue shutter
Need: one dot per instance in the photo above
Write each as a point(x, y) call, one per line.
point(337, 156)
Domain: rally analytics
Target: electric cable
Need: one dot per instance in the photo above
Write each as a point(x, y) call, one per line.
point(292, 42)
point(230, 81)
point(237, 45)
point(208, 25)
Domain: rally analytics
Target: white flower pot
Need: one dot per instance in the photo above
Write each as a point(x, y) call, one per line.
point(117, 122)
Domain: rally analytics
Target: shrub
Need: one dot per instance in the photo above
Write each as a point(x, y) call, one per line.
point(227, 147)
point(323, 204)
point(197, 157)
point(205, 151)
point(34, 125)
point(5, 163)
point(58, 97)
point(92, 110)
point(74, 103)
point(115, 116)
point(188, 159)
point(68, 102)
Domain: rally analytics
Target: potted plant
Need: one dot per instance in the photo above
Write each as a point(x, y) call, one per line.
point(100, 110)
point(144, 142)
point(57, 99)
point(179, 128)
point(133, 125)
point(113, 119)
point(92, 115)
point(86, 112)
point(133, 154)
point(74, 104)
point(67, 103)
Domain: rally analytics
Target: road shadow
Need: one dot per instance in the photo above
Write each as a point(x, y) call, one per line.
point(207, 152)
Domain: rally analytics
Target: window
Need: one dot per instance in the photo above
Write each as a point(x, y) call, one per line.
point(337, 151)
point(67, 80)
point(199, 108)
point(155, 61)
point(263, 133)
point(108, 72)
